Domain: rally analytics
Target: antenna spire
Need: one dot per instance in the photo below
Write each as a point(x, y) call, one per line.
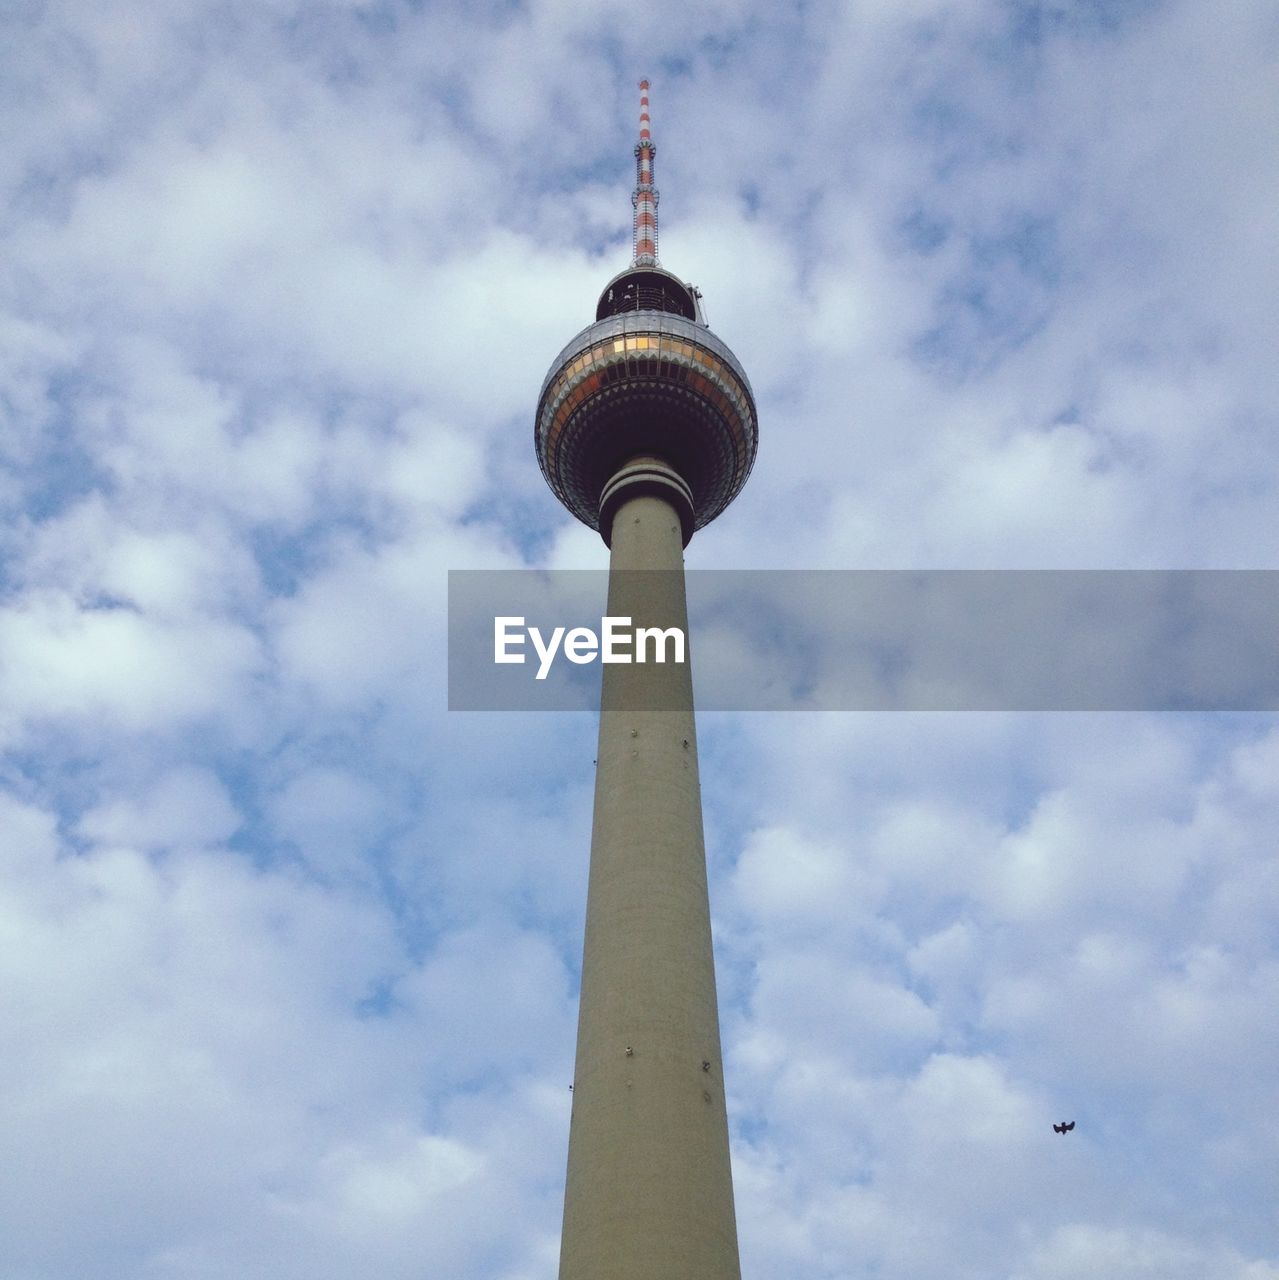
point(644, 200)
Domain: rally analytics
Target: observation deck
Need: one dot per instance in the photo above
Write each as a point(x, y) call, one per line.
point(648, 378)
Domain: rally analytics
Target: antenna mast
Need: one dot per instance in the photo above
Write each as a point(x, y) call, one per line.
point(644, 200)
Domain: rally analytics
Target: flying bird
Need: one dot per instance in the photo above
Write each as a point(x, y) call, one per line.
point(1064, 1127)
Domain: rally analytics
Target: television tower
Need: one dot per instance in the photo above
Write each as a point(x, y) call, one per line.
point(646, 431)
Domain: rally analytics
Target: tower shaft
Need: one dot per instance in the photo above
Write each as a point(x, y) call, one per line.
point(649, 1193)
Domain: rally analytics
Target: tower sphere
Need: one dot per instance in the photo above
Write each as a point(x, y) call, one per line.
point(647, 380)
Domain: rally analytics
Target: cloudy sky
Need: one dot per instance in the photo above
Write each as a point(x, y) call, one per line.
point(289, 953)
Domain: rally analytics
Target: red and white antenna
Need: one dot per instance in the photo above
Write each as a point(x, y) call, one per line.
point(645, 198)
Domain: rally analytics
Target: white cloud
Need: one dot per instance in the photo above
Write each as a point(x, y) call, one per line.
point(186, 807)
point(185, 1041)
point(112, 666)
point(1135, 1255)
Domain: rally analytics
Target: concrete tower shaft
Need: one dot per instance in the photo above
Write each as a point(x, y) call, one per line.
point(649, 1194)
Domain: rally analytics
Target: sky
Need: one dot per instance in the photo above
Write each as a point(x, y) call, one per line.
point(289, 952)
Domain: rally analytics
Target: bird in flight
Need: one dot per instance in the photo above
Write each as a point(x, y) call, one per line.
point(1064, 1127)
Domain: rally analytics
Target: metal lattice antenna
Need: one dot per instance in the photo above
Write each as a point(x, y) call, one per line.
point(645, 198)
